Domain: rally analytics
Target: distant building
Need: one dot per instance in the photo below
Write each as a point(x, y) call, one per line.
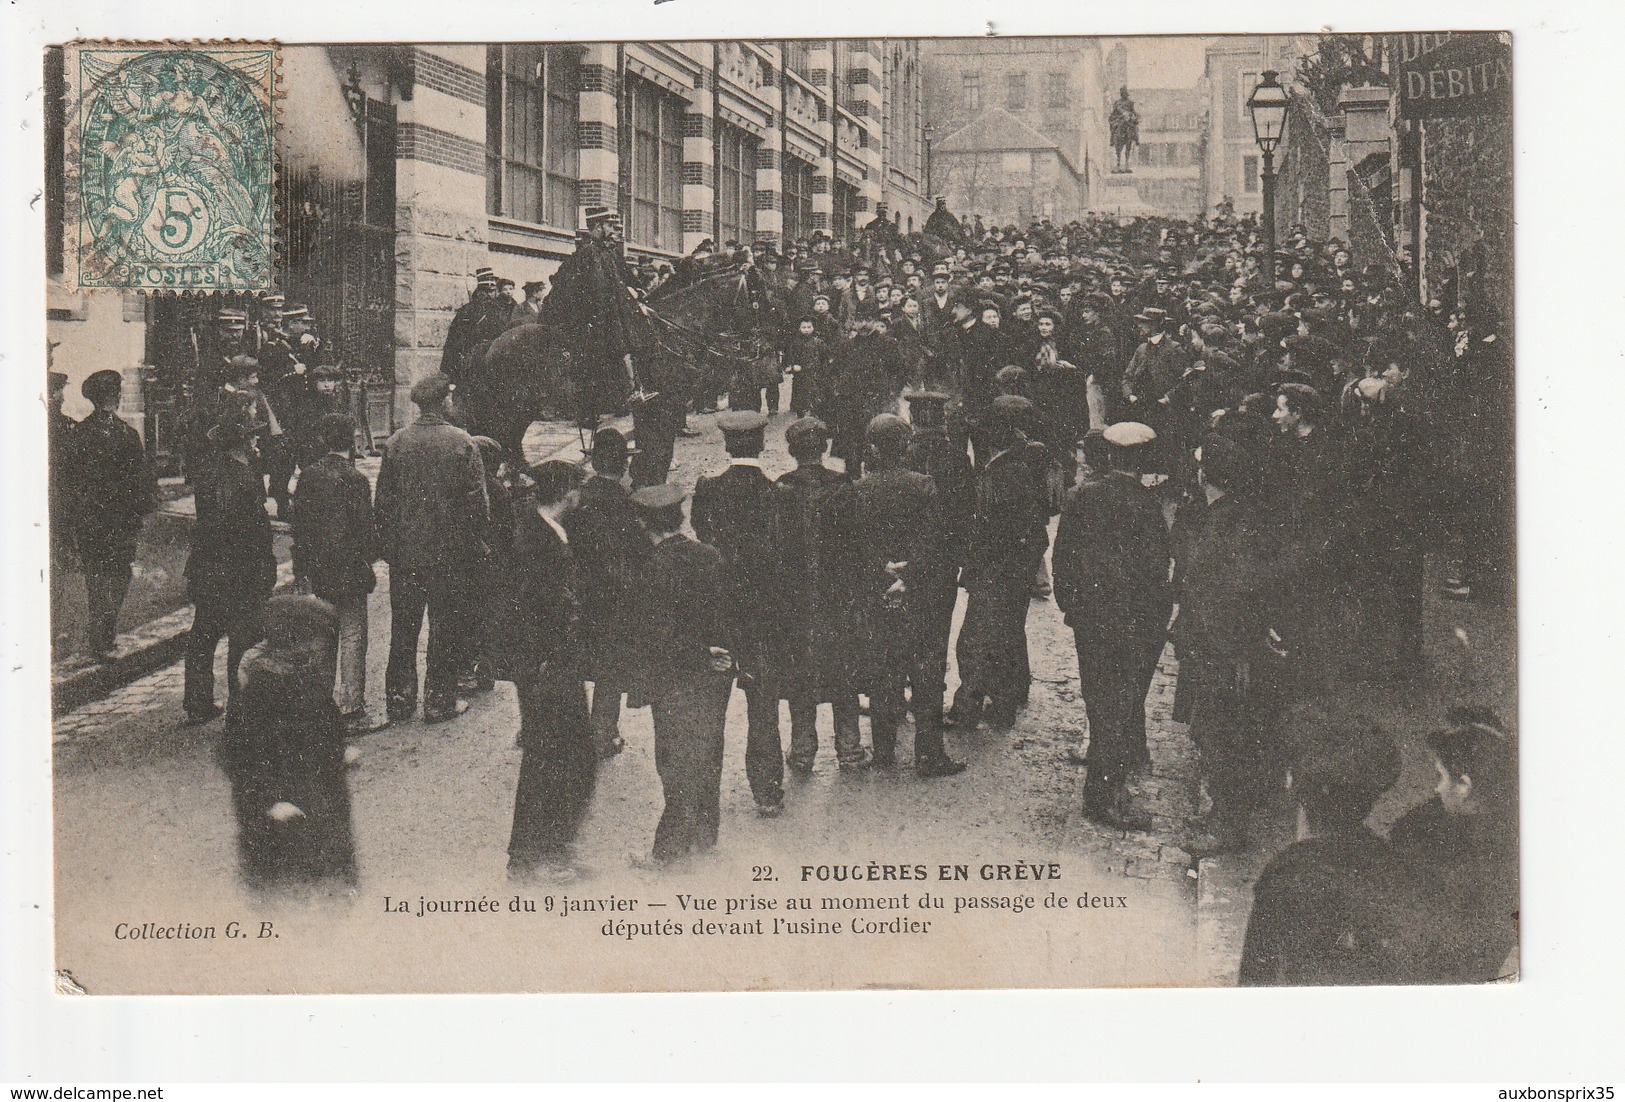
point(1017, 125)
point(1233, 67)
point(1169, 162)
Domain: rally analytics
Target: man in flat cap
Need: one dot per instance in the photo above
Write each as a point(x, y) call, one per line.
point(1007, 544)
point(899, 581)
point(608, 549)
point(1111, 582)
point(1094, 349)
point(431, 508)
point(114, 490)
point(230, 569)
point(685, 671)
point(734, 512)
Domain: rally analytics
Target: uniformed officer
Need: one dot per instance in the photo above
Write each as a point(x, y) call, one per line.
point(685, 671)
point(463, 334)
point(734, 512)
point(1111, 582)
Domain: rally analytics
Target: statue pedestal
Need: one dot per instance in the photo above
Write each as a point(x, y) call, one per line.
point(1118, 195)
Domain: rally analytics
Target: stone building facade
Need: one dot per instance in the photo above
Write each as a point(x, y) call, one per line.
point(1232, 162)
point(1018, 125)
point(1170, 160)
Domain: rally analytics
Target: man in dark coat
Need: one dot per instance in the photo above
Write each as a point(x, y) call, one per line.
point(590, 301)
point(531, 643)
point(1095, 351)
point(935, 452)
point(283, 752)
point(734, 512)
point(113, 491)
point(942, 224)
point(291, 389)
point(1156, 367)
point(608, 549)
point(480, 319)
point(813, 526)
point(1324, 908)
point(1111, 581)
point(685, 671)
point(334, 547)
point(1225, 583)
point(431, 509)
point(898, 587)
point(230, 570)
point(1007, 543)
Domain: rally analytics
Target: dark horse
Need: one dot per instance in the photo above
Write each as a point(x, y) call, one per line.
point(711, 328)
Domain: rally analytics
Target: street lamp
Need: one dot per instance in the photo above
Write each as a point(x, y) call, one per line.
point(1267, 105)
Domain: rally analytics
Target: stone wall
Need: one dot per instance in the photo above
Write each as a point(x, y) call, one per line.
point(440, 219)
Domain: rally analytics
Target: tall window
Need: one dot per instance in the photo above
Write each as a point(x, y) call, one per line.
point(736, 186)
point(797, 199)
point(845, 203)
point(1249, 175)
point(657, 167)
point(972, 85)
point(1057, 90)
point(1244, 90)
point(798, 57)
point(530, 125)
point(1015, 91)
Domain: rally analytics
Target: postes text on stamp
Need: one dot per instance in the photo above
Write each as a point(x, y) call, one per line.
point(171, 157)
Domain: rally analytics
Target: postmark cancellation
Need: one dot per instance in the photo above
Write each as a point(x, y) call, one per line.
point(170, 161)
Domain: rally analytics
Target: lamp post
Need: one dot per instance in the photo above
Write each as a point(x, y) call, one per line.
point(1267, 105)
point(929, 133)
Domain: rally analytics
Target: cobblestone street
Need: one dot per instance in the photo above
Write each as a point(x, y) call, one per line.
point(144, 829)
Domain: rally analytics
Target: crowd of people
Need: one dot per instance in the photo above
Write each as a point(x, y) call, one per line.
point(1249, 456)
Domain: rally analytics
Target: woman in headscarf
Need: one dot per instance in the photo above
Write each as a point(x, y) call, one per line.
point(283, 752)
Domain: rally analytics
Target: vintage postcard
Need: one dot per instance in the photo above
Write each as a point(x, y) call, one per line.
point(991, 512)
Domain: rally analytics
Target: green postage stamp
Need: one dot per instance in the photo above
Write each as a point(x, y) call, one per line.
point(170, 161)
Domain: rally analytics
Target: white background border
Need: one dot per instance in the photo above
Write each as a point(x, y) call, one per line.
point(1562, 1023)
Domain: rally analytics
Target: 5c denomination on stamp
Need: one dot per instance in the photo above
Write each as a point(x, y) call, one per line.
point(171, 161)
